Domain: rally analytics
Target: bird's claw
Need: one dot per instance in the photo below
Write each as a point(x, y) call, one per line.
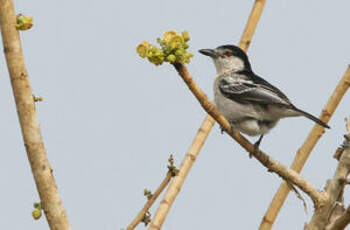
point(256, 150)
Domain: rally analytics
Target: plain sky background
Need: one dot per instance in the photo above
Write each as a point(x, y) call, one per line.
point(110, 119)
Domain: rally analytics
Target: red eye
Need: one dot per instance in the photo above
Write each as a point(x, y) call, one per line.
point(228, 54)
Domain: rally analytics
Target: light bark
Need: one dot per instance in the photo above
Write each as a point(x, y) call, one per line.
point(334, 189)
point(270, 163)
point(150, 202)
point(203, 132)
point(41, 169)
point(304, 152)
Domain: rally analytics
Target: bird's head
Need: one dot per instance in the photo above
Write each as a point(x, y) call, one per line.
point(228, 58)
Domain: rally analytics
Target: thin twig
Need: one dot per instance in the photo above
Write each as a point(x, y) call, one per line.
point(150, 202)
point(304, 152)
point(41, 169)
point(299, 196)
point(203, 132)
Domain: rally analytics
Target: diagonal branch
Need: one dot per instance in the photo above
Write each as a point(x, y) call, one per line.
point(273, 165)
point(150, 202)
point(42, 172)
point(203, 132)
point(305, 150)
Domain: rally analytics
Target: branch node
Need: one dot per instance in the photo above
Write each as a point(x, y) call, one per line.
point(37, 212)
point(346, 143)
point(338, 153)
point(172, 168)
point(37, 99)
point(146, 218)
point(347, 83)
point(343, 181)
point(147, 193)
point(325, 113)
point(24, 22)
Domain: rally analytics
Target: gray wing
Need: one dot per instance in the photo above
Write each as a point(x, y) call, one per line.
point(247, 91)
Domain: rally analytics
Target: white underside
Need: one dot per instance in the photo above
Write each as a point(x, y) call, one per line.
point(237, 115)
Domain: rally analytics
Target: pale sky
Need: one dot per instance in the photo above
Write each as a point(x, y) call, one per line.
point(110, 119)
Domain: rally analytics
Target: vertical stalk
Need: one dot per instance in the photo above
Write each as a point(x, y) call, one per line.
point(42, 172)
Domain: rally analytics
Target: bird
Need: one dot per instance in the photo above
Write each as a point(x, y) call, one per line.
point(251, 104)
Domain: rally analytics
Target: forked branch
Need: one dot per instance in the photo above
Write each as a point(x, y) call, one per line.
point(150, 202)
point(172, 171)
point(334, 190)
point(304, 152)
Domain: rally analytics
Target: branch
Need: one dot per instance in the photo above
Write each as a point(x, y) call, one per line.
point(341, 222)
point(334, 190)
point(273, 165)
point(42, 171)
point(150, 202)
point(203, 132)
point(305, 150)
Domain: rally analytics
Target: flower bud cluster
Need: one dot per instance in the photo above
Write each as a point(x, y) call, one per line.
point(173, 49)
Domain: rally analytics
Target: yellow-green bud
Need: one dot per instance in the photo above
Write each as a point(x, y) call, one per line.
point(36, 213)
point(168, 35)
point(157, 60)
point(143, 48)
point(185, 35)
point(152, 51)
point(37, 205)
point(24, 22)
point(188, 56)
point(172, 49)
point(176, 41)
point(171, 58)
point(179, 52)
point(155, 55)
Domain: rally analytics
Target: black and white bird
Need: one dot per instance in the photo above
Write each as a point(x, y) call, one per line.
point(251, 104)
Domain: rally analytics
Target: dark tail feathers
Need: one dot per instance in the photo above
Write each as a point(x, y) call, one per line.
point(311, 117)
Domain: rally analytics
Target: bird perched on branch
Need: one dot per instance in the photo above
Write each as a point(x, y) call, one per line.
point(251, 104)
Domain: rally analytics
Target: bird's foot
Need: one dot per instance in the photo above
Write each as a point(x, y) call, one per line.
point(256, 150)
point(222, 130)
point(256, 147)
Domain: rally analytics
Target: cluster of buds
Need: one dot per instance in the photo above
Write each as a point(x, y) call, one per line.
point(37, 212)
point(24, 22)
point(173, 49)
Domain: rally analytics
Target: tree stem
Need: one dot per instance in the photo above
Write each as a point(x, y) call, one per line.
point(41, 169)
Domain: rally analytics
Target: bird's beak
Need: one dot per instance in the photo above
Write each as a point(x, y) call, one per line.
point(209, 52)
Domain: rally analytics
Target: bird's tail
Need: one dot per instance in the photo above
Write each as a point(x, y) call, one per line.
point(311, 117)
